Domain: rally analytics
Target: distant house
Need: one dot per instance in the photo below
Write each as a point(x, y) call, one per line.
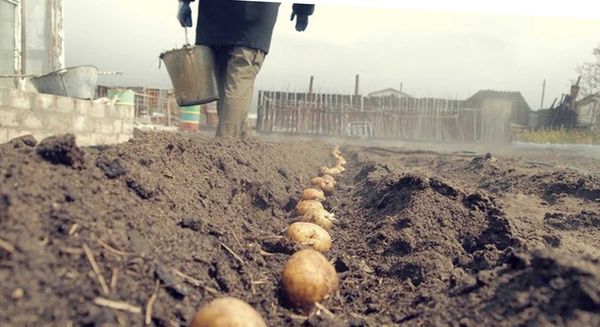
point(588, 112)
point(513, 101)
point(388, 93)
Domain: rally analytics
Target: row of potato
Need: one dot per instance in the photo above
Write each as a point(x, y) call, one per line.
point(308, 278)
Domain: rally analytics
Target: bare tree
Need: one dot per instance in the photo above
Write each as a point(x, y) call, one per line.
point(590, 74)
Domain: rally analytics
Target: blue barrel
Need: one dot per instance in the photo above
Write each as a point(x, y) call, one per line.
point(189, 118)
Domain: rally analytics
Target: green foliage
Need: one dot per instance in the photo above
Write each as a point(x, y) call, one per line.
point(558, 136)
point(590, 74)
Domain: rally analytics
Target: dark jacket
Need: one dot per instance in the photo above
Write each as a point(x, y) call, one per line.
point(239, 23)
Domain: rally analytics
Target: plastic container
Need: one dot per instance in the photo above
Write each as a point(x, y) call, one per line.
point(122, 96)
point(189, 118)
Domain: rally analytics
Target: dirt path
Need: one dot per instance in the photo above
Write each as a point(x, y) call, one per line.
point(425, 238)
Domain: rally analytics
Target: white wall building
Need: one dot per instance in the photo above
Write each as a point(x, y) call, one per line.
point(31, 39)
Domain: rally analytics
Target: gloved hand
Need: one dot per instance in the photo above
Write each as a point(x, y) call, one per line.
point(301, 21)
point(184, 14)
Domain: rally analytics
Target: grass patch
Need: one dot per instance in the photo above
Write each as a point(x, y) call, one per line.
point(558, 136)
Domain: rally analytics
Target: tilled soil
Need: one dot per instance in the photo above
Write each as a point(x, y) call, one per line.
point(425, 239)
point(473, 240)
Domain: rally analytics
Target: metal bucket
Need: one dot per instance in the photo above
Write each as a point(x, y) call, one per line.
point(77, 82)
point(192, 72)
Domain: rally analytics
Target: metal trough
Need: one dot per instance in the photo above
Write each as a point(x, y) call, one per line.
point(77, 82)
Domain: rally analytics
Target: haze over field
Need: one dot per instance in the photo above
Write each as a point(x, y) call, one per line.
point(439, 54)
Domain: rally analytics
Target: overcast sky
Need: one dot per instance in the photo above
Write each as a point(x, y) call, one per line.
point(438, 54)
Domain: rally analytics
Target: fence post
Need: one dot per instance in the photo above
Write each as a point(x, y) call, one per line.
point(342, 119)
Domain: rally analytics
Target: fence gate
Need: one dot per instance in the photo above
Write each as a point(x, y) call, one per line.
point(363, 129)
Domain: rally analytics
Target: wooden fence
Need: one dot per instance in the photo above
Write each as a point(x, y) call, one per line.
point(426, 119)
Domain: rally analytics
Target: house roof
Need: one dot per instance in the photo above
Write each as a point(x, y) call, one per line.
point(514, 96)
point(588, 99)
point(389, 90)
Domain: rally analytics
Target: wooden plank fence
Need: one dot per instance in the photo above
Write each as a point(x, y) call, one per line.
point(426, 119)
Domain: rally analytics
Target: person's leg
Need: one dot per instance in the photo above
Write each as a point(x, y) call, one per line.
point(221, 55)
point(242, 68)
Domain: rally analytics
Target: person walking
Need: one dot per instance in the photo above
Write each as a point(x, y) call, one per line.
point(239, 33)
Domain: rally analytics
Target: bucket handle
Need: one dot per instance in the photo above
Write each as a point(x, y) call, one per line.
point(62, 80)
point(187, 45)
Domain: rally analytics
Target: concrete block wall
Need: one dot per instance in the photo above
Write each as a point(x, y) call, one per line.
point(42, 115)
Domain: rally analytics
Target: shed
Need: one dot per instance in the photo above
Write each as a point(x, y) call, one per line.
point(515, 101)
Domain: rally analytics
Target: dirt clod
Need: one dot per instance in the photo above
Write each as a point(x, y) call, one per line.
point(173, 286)
point(61, 150)
point(112, 167)
point(26, 141)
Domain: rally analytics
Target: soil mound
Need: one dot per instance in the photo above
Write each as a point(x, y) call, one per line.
point(424, 226)
point(551, 290)
point(439, 253)
point(186, 211)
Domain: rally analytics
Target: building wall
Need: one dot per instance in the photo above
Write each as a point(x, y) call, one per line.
point(520, 109)
point(588, 115)
point(42, 115)
point(31, 38)
point(8, 42)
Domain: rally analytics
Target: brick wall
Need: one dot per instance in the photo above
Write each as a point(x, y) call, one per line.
point(42, 115)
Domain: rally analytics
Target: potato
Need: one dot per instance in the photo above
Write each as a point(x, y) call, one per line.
point(336, 151)
point(324, 185)
point(328, 178)
point(308, 278)
point(340, 168)
point(314, 181)
point(329, 171)
point(309, 235)
point(303, 206)
point(227, 312)
point(313, 194)
point(340, 161)
point(320, 217)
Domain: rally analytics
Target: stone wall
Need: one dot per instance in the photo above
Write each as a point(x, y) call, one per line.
point(42, 115)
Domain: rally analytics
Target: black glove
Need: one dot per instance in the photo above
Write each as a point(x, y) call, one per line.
point(301, 21)
point(184, 14)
